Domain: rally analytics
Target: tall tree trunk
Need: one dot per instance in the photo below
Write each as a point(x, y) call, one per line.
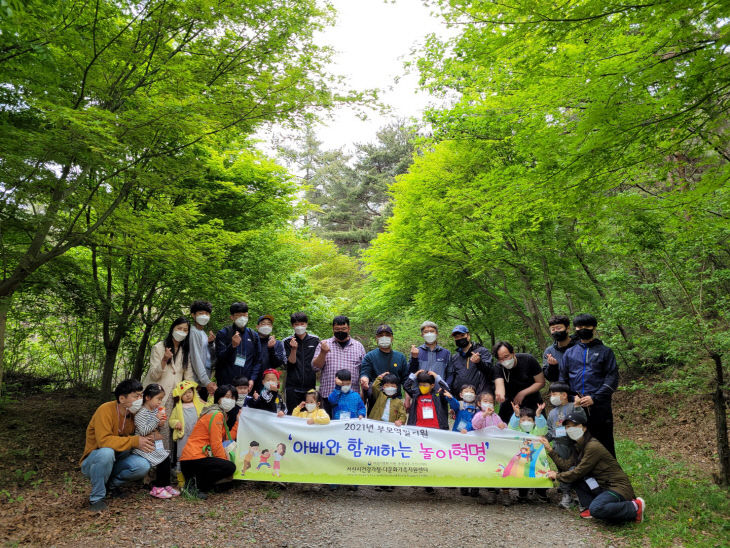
point(110, 360)
point(142, 352)
point(548, 285)
point(720, 405)
point(4, 307)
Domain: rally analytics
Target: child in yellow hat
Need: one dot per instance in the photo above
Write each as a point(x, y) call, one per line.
point(188, 406)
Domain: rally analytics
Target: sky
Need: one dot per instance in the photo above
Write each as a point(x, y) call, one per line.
point(372, 39)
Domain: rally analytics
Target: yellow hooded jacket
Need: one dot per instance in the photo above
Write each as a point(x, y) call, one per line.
point(177, 416)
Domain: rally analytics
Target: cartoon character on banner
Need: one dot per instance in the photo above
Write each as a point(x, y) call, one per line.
point(525, 464)
point(278, 455)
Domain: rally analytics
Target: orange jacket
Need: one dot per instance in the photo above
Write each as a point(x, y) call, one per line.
point(207, 433)
point(103, 430)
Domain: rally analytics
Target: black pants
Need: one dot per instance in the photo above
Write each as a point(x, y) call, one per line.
point(294, 396)
point(600, 425)
point(162, 477)
point(206, 472)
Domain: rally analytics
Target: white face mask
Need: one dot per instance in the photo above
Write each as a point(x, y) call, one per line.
point(468, 397)
point(487, 406)
point(241, 321)
point(508, 364)
point(136, 406)
point(430, 337)
point(555, 400)
point(226, 404)
point(345, 388)
point(384, 342)
point(390, 390)
point(266, 329)
point(310, 406)
point(527, 426)
point(203, 319)
point(574, 432)
point(179, 335)
point(271, 385)
point(300, 329)
point(241, 400)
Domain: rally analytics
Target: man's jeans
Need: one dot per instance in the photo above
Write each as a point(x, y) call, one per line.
point(105, 467)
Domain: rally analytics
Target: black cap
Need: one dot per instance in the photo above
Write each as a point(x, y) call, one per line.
point(577, 418)
point(384, 328)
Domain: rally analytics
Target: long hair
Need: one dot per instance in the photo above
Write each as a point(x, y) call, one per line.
point(184, 345)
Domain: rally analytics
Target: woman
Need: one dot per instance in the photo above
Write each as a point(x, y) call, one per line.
point(604, 490)
point(523, 379)
point(169, 365)
point(204, 460)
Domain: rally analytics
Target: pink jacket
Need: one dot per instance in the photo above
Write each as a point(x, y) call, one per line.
point(480, 420)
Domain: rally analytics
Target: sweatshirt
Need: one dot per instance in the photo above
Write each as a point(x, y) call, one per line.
point(104, 430)
point(319, 415)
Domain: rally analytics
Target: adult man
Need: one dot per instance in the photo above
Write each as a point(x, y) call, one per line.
point(299, 350)
point(202, 346)
point(522, 377)
point(383, 359)
point(108, 460)
point(272, 351)
point(471, 364)
point(559, 326)
point(430, 356)
point(338, 352)
point(590, 369)
point(238, 348)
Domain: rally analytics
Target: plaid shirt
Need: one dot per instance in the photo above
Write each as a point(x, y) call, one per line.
point(350, 358)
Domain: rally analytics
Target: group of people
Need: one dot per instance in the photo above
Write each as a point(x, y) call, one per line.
point(185, 413)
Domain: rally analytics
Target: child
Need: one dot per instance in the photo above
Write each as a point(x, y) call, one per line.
point(464, 409)
point(278, 455)
point(269, 399)
point(486, 417)
point(562, 444)
point(528, 421)
point(242, 399)
point(264, 459)
point(345, 403)
point(388, 407)
point(253, 450)
point(311, 410)
point(147, 421)
point(188, 406)
point(426, 409)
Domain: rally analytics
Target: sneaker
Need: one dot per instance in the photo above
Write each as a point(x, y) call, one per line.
point(116, 493)
point(429, 490)
point(565, 501)
point(586, 514)
point(160, 493)
point(474, 492)
point(464, 491)
point(170, 489)
point(98, 506)
point(640, 508)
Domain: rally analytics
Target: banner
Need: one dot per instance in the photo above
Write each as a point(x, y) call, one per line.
point(367, 452)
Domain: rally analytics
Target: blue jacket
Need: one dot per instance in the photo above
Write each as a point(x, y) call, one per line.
point(590, 370)
point(436, 360)
point(464, 413)
point(350, 402)
point(250, 347)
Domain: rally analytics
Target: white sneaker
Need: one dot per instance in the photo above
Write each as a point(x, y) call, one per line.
point(565, 501)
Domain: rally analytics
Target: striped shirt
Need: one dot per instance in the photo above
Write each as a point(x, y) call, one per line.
point(350, 357)
point(145, 422)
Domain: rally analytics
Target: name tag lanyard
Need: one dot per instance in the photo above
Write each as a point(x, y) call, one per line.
point(241, 350)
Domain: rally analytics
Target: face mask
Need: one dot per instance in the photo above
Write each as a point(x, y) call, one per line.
point(430, 337)
point(555, 400)
point(462, 343)
point(584, 334)
point(300, 329)
point(508, 364)
point(384, 342)
point(559, 335)
point(203, 319)
point(310, 406)
point(487, 407)
point(226, 404)
point(266, 329)
point(468, 397)
point(136, 406)
point(390, 390)
point(574, 432)
point(241, 321)
point(340, 335)
point(240, 401)
point(424, 389)
point(271, 385)
point(345, 388)
point(527, 426)
point(179, 336)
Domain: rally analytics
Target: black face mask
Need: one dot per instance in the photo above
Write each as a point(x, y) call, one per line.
point(584, 334)
point(341, 335)
point(462, 343)
point(559, 335)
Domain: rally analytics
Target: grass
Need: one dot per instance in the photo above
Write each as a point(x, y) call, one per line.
point(683, 506)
